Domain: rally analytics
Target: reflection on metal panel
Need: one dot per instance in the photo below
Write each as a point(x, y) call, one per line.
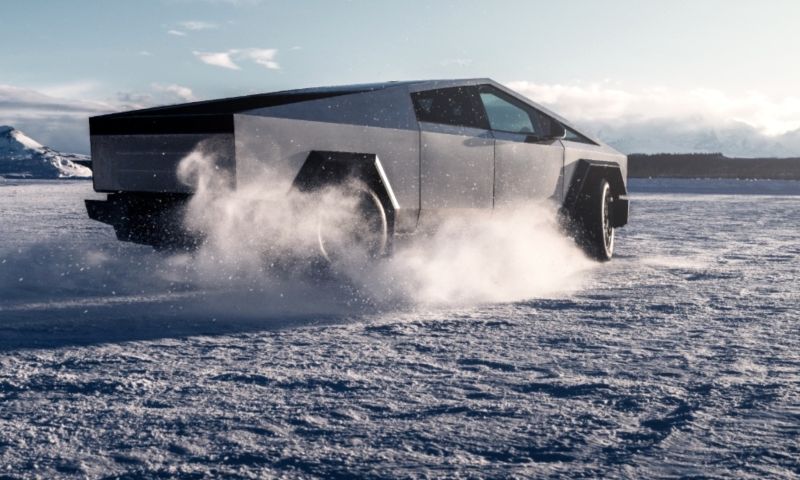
point(526, 171)
point(388, 108)
point(457, 167)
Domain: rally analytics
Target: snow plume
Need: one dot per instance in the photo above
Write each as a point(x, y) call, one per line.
point(263, 235)
point(259, 225)
point(513, 254)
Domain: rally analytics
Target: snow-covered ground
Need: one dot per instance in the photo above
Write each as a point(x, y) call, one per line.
point(681, 357)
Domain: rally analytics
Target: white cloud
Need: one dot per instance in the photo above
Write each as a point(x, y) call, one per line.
point(133, 100)
point(195, 25)
point(218, 59)
point(263, 56)
point(178, 91)
point(57, 115)
point(80, 89)
point(145, 53)
point(158, 94)
point(26, 101)
point(661, 119)
point(53, 121)
point(600, 102)
point(191, 26)
point(228, 59)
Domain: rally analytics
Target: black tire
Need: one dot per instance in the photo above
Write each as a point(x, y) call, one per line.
point(362, 240)
point(594, 222)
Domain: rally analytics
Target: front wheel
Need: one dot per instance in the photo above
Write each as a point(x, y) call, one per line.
point(595, 227)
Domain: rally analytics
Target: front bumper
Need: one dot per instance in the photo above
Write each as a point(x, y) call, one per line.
point(619, 212)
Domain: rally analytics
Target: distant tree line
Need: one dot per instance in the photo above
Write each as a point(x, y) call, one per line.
point(711, 165)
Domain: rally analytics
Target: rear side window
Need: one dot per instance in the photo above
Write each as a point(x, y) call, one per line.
point(459, 106)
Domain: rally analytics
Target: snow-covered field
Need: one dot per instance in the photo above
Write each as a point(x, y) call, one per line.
point(679, 358)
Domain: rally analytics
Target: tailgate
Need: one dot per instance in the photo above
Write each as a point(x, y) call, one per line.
point(142, 155)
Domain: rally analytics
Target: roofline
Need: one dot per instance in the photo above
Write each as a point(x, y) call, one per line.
point(413, 85)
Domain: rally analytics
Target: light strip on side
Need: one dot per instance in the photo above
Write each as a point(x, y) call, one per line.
point(386, 183)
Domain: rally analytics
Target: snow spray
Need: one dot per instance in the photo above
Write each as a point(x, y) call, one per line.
point(255, 227)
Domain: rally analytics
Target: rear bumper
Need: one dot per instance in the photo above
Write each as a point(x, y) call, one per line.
point(155, 220)
point(102, 210)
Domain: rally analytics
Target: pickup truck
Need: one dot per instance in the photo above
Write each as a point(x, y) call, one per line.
point(420, 150)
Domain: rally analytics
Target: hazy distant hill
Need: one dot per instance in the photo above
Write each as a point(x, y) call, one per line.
point(23, 157)
point(711, 165)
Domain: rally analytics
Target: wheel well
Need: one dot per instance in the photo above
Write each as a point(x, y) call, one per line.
point(588, 173)
point(326, 168)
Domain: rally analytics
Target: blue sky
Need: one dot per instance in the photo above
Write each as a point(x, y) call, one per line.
point(720, 60)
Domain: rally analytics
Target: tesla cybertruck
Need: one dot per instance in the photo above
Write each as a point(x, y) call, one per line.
point(420, 150)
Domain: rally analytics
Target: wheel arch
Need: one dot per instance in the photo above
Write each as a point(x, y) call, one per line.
point(324, 168)
point(588, 173)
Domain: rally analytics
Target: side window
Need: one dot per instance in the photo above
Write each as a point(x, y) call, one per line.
point(451, 106)
point(574, 136)
point(505, 116)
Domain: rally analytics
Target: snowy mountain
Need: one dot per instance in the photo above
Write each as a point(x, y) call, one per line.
point(23, 157)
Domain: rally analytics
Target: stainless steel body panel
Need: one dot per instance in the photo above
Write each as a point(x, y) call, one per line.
point(526, 171)
point(456, 167)
point(575, 151)
point(281, 146)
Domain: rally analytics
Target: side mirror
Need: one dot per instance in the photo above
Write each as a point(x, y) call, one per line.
point(557, 131)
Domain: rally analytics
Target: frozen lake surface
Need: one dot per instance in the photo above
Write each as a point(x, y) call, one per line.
point(679, 358)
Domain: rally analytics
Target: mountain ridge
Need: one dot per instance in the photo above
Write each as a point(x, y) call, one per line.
point(23, 157)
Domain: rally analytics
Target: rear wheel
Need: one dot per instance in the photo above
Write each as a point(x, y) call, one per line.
point(363, 233)
point(595, 230)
